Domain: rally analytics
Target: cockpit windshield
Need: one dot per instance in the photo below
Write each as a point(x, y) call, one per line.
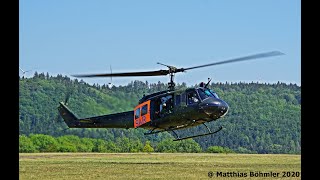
point(205, 93)
point(214, 94)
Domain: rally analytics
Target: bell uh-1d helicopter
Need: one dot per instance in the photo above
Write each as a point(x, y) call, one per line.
point(168, 110)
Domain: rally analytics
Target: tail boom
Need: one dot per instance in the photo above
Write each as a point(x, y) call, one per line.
point(118, 120)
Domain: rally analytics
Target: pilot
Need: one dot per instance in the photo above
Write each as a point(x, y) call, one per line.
point(195, 99)
point(192, 98)
point(164, 101)
point(202, 84)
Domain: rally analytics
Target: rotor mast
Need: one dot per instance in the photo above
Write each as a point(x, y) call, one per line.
point(172, 70)
point(171, 83)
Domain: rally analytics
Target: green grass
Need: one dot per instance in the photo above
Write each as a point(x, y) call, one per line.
point(77, 166)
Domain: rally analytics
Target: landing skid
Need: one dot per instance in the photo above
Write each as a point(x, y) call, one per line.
point(177, 136)
point(199, 135)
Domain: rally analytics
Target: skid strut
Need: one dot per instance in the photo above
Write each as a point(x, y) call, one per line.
point(154, 132)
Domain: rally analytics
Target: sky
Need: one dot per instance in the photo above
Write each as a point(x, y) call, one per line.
point(84, 37)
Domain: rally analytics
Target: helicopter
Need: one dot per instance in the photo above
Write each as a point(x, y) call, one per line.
point(170, 110)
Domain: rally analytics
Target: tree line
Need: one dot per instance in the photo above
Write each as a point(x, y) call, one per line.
point(71, 143)
point(263, 118)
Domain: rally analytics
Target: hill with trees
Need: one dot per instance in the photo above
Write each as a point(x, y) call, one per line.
point(263, 118)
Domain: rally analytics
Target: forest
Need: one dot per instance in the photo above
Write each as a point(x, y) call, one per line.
point(263, 118)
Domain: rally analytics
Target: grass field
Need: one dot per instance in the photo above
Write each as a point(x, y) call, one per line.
point(77, 166)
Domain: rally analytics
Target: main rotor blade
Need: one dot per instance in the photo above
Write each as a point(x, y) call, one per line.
point(176, 70)
point(146, 73)
point(246, 58)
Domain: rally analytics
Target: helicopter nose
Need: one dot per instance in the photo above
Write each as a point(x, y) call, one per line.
point(223, 108)
point(214, 107)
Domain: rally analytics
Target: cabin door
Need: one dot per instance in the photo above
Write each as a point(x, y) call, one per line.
point(142, 114)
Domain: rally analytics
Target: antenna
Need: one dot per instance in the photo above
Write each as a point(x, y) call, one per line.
point(111, 73)
point(110, 83)
point(209, 79)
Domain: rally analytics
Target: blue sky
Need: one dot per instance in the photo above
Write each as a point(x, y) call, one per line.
point(81, 36)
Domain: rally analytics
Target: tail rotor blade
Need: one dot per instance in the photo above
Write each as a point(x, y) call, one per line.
point(67, 98)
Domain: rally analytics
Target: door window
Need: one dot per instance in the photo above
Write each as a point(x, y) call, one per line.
point(137, 113)
point(178, 99)
point(144, 110)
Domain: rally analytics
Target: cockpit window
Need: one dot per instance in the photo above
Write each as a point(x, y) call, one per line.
point(213, 93)
point(205, 93)
point(202, 94)
point(192, 97)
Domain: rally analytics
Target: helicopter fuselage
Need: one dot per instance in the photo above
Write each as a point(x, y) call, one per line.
point(179, 109)
point(165, 110)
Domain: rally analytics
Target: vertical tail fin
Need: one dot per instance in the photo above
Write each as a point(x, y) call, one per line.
point(69, 118)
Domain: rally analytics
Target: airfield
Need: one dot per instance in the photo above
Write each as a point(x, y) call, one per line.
point(158, 166)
